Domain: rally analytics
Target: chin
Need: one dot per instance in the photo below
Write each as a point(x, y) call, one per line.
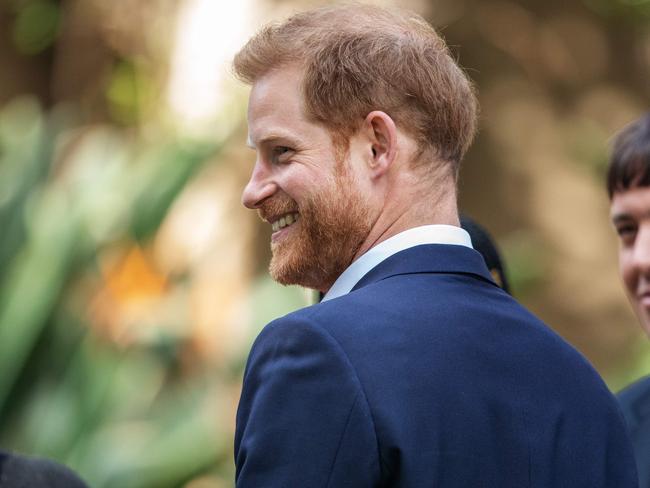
point(295, 274)
point(288, 266)
point(644, 318)
point(296, 265)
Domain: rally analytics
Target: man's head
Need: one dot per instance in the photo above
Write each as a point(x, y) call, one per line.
point(347, 104)
point(628, 184)
point(360, 58)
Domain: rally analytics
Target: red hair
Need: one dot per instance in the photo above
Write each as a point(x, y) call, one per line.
point(360, 58)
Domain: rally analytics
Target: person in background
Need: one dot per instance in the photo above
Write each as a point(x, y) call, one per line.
point(17, 471)
point(628, 185)
point(415, 369)
point(483, 242)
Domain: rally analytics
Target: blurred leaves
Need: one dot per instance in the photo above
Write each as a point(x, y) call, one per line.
point(525, 262)
point(102, 363)
point(67, 194)
point(154, 195)
point(129, 92)
point(36, 26)
point(23, 166)
point(633, 9)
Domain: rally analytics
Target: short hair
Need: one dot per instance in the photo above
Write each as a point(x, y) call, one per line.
point(629, 165)
point(359, 58)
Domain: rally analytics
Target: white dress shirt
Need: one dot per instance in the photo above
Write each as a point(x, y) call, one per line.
point(426, 234)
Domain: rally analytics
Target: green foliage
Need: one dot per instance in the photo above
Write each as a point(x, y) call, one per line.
point(129, 92)
point(525, 265)
point(121, 416)
point(154, 195)
point(635, 10)
point(36, 26)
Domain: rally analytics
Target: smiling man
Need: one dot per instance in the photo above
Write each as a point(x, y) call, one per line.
point(628, 184)
point(416, 369)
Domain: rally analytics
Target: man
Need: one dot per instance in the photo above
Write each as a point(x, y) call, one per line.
point(628, 185)
point(416, 369)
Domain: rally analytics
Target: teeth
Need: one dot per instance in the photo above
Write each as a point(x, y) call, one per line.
point(283, 222)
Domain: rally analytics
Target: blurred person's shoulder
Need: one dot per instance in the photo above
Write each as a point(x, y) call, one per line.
point(635, 401)
point(17, 471)
point(635, 404)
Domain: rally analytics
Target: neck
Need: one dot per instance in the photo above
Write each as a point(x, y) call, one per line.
point(419, 207)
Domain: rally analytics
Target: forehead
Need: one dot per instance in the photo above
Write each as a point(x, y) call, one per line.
point(275, 104)
point(634, 202)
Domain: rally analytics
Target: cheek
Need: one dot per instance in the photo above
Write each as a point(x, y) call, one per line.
point(627, 271)
point(293, 186)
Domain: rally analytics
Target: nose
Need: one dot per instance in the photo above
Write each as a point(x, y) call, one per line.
point(641, 255)
point(260, 186)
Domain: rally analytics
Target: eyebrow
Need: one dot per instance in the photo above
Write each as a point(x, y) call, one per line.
point(631, 215)
point(273, 137)
point(621, 217)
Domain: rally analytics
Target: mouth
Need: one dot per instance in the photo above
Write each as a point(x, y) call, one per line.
point(644, 298)
point(284, 221)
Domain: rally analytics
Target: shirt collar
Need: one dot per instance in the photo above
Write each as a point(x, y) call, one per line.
point(426, 234)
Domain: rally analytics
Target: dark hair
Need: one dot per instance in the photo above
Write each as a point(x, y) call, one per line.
point(629, 166)
point(487, 247)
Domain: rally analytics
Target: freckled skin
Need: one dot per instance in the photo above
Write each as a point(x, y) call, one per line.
point(630, 213)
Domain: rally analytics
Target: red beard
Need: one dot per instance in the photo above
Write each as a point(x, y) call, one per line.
point(320, 245)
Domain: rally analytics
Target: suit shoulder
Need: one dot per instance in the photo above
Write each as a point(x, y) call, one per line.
point(300, 333)
point(638, 389)
point(298, 324)
point(635, 401)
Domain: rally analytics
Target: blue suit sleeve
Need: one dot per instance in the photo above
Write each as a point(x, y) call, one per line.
point(303, 419)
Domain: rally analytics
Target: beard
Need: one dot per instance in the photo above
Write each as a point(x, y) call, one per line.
point(333, 224)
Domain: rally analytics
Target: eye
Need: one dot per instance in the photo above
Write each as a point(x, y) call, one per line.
point(281, 154)
point(626, 232)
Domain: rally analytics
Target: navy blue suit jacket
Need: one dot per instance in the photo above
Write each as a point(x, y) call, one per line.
point(425, 375)
point(635, 403)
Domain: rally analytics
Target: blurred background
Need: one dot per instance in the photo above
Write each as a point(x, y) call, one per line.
point(132, 282)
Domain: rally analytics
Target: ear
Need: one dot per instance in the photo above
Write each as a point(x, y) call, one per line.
point(381, 135)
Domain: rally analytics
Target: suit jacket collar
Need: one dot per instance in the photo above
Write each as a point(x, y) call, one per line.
point(429, 258)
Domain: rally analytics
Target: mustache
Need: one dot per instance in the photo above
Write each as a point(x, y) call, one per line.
point(275, 206)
